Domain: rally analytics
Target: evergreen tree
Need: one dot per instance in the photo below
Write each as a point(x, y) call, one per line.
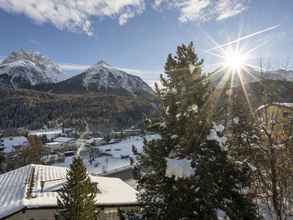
point(77, 197)
point(205, 182)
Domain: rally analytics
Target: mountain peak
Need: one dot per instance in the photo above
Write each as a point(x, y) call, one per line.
point(102, 63)
point(23, 54)
point(30, 68)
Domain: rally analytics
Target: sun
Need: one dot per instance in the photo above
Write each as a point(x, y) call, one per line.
point(234, 60)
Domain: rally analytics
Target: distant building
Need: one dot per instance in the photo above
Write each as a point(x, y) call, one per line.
point(64, 140)
point(31, 192)
point(53, 158)
point(60, 142)
point(276, 112)
point(10, 144)
point(96, 141)
point(54, 146)
point(49, 133)
point(126, 132)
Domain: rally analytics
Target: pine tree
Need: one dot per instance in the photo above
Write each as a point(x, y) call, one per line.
point(211, 184)
point(77, 197)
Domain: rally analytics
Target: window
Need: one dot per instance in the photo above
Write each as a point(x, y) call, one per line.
point(285, 114)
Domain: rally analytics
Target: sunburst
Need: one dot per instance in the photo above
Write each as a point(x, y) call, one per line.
point(236, 61)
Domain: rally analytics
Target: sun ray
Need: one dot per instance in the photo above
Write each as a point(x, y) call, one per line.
point(244, 38)
point(235, 67)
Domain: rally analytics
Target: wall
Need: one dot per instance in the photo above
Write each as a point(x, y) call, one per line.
point(49, 214)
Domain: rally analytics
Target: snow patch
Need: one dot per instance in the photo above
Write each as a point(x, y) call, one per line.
point(214, 135)
point(193, 108)
point(179, 168)
point(236, 120)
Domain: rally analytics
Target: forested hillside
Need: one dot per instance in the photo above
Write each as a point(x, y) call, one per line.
point(103, 112)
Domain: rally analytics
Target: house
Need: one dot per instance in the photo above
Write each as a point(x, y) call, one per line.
point(53, 158)
point(49, 133)
point(64, 140)
point(31, 192)
point(54, 146)
point(96, 141)
point(59, 143)
point(10, 144)
point(276, 112)
point(127, 132)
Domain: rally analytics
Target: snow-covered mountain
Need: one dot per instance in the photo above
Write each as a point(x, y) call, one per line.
point(104, 77)
point(23, 69)
point(251, 76)
point(280, 74)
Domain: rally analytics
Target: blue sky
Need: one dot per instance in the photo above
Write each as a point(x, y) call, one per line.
point(138, 34)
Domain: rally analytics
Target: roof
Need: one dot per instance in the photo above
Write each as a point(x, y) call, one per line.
point(10, 143)
point(287, 105)
point(63, 139)
point(46, 132)
point(15, 184)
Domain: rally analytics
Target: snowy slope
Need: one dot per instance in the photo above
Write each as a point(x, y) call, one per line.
point(26, 68)
point(114, 161)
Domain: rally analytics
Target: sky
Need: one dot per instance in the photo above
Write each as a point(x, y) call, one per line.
point(137, 35)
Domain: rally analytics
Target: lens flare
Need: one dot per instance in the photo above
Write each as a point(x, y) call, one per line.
point(236, 63)
point(234, 60)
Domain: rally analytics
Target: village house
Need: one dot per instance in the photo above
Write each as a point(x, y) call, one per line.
point(278, 113)
point(30, 193)
point(60, 142)
point(10, 144)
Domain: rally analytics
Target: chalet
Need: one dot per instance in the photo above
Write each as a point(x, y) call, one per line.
point(30, 193)
point(280, 112)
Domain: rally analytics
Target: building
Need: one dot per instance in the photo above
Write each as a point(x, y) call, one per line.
point(30, 193)
point(54, 146)
point(60, 142)
point(10, 144)
point(127, 132)
point(64, 140)
point(50, 134)
point(276, 112)
point(53, 158)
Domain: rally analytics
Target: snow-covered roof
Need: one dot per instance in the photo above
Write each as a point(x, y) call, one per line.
point(63, 139)
point(46, 132)
point(53, 143)
point(282, 104)
point(9, 143)
point(15, 184)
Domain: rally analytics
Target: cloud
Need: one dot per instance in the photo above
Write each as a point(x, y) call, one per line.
point(74, 15)
point(229, 8)
point(193, 10)
point(204, 10)
point(77, 15)
point(75, 67)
